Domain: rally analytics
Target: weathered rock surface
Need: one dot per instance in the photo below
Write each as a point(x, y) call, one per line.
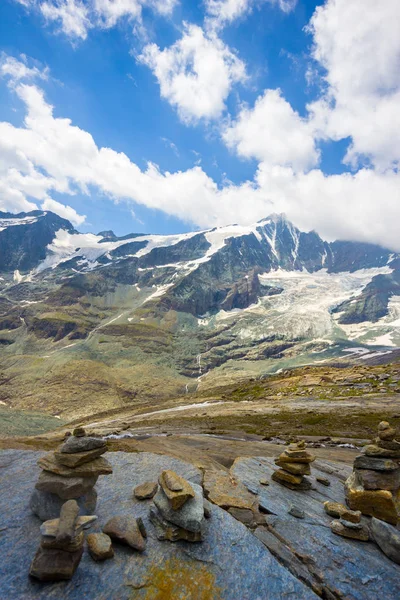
point(145, 490)
point(165, 530)
point(344, 568)
point(377, 464)
point(54, 565)
point(226, 491)
point(387, 537)
point(64, 487)
point(229, 563)
point(381, 504)
point(100, 546)
point(98, 466)
point(47, 506)
point(379, 480)
point(82, 444)
point(356, 533)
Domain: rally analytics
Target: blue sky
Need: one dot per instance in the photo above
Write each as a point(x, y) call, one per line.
point(241, 107)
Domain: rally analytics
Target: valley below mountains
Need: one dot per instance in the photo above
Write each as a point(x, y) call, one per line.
point(97, 323)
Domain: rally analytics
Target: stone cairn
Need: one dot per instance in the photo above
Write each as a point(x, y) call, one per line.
point(61, 547)
point(348, 522)
point(294, 463)
point(374, 486)
point(70, 472)
point(178, 511)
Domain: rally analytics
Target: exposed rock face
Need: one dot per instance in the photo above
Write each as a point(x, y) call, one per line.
point(387, 537)
point(230, 563)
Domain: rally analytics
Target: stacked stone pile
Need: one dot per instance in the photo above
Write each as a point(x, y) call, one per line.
point(294, 464)
point(348, 523)
point(178, 510)
point(61, 545)
point(374, 486)
point(70, 472)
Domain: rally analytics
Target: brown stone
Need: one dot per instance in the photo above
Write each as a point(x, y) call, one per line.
point(294, 468)
point(225, 491)
point(82, 444)
point(375, 464)
point(293, 482)
point(334, 509)
point(124, 529)
point(176, 498)
point(55, 565)
point(146, 490)
point(50, 528)
point(360, 534)
point(323, 480)
point(65, 488)
point(388, 434)
point(78, 458)
point(374, 451)
point(353, 516)
point(388, 445)
point(290, 457)
point(79, 432)
point(381, 504)
point(99, 546)
point(379, 480)
point(73, 545)
point(98, 466)
point(66, 524)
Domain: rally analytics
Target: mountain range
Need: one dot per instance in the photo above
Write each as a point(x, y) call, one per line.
point(92, 321)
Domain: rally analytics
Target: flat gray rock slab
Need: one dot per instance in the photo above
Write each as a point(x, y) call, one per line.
point(350, 569)
point(230, 564)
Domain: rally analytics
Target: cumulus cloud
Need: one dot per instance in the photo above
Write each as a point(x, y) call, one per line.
point(195, 74)
point(65, 211)
point(273, 133)
point(223, 12)
point(74, 18)
point(357, 44)
point(16, 70)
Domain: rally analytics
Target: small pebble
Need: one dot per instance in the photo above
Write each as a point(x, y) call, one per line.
point(324, 481)
point(296, 512)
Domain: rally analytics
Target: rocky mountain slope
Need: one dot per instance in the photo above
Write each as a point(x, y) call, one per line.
point(151, 315)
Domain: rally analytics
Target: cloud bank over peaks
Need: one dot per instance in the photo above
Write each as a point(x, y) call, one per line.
point(195, 74)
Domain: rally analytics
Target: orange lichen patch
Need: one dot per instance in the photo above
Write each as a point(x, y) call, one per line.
point(180, 581)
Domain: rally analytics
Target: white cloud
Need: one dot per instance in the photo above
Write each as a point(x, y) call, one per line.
point(16, 69)
point(49, 153)
point(195, 74)
point(75, 18)
point(358, 45)
point(223, 12)
point(273, 133)
point(66, 212)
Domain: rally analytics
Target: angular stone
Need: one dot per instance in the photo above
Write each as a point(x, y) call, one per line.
point(142, 527)
point(98, 466)
point(375, 464)
point(225, 491)
point(146, 490)
point(82, 444)
point(65, 488)
point(50, 528)
point(324, 481)
point(66, 523)
point(381, 504)
point(334, 509)
point(353, 516)
point(47, 506)
point(73, 545)
point(387, 538)
point(190, 516)
point(349, 532)
point(55, 565)
point(350, 524)
point(296, 512)
point(374, 451)
point(286, 477)
point(124, 529)
point(176, 497)
point(78, 458)
point(79, 432)
point(264, 481)
point(99, 546)
point(290, 457)
point(244, 515)
point(379, 480)
point(388, 445)
point(168, 531)
point(294, 468)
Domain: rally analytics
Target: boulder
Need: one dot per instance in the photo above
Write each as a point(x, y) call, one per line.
point(145, 490)
point(65, 487)
point(99, 546)
point(54, 565)
point(125, 529)
point(190, 516)
point(47, 506)
point(176, 489)
point(387, 538)
point(98, 466)
point(78, 458)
